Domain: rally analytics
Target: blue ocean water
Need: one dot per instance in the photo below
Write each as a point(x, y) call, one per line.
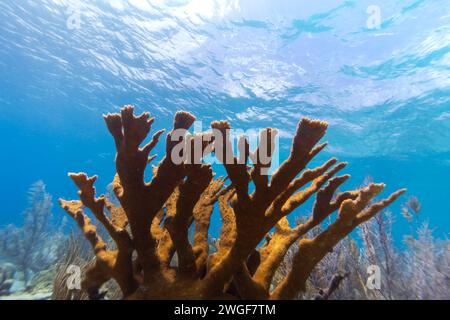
point(377, 71)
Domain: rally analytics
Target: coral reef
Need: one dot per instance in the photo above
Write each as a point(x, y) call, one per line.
point(418, 270)
point(152, 221)
point(36, 245)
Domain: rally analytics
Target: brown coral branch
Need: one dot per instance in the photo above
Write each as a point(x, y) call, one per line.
point(252, 211)
point(311, 251)
point(156, 229)
point(273, 252)
point(202, 216)
point(247, 287)
point(74, 209)
point(215, 196)
point(309, 132)
point(108, 264)
point(97, 205)
point(165, 245)
point(142, 201)
point(262, 160)
point(178, 225)
point(118, 217)
point(284, 237)
point(283, 207)
point(227, 231)
point(236, 169)
point(118, 263)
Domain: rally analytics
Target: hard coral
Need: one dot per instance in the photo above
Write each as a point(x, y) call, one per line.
point(151, 224)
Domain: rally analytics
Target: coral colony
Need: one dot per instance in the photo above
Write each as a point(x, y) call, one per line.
point(150, 226)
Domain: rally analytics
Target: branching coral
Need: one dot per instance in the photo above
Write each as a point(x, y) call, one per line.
point(151, 224)
point(418, 270)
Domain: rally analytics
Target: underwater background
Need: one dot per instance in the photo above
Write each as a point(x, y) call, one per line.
point(384, 88)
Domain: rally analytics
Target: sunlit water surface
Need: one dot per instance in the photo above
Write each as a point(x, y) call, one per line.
point(383, 90)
